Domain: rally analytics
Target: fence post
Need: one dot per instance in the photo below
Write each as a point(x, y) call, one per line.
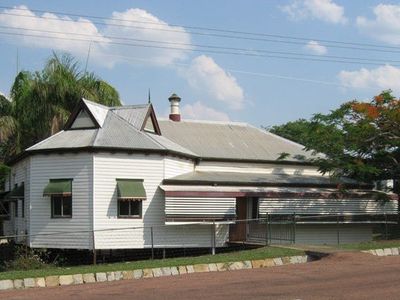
point(94, 248)
point(386, 227)
point(294, 228)
point(269, 229)
point(152, 242)
point(213, 241)
point(337, 229)
point(266, 229)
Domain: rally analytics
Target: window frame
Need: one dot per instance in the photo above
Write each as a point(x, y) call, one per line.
point(62, 197)
point(129, 216)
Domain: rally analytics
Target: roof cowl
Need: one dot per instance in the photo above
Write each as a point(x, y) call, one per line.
point(175, 114)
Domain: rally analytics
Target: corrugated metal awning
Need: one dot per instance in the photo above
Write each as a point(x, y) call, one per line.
point(131, 189)
point(58, 187)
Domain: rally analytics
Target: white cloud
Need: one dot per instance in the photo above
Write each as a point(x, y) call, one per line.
point(199, 111)
point(105, 52)
point(383, 77)
point(316, 48)
point(324, 10)
point(50, 22)
point(386, 25)
point(205, 75)
point(141, 25)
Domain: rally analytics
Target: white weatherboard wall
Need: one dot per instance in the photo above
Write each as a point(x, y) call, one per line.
point(326, 206)
point(19, 225)
point(174, 166)
point(132, 234)
point(77, 230)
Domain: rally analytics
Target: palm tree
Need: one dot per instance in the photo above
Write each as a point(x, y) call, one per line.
point(42, 101)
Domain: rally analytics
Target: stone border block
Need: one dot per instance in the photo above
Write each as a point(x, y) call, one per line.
point(77, 279)
point(127, 275)
point(157, 272)
point(6, 284)
point(238, 265)
point(29, 282)
point(147, 273)
point(182, 270)
point(201, 268)
point(118, 275)
point(110, 276)
point(247, 264)
point(18, 283)
point(88, 278)
point(222, 267)
point(52, 281)
point(387, 252)
point(40, 282)
point(395, 251)
point(212, 267)
point(379, 252)
point(66, 280)
point(137, 274)
point(259, 263)
point(189, 269)
point(101, 277)
point(166, 271)
point(278, 261)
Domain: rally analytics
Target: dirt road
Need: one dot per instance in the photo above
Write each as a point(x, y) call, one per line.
point(339, 276)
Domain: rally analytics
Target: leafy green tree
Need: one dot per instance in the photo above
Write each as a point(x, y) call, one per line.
point(296, 131)
point(42, 101)
point(359, 139)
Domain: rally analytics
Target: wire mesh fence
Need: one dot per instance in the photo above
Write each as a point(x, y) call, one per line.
point(105, 245)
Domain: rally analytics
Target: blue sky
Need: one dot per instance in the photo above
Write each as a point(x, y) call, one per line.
point(217, 86)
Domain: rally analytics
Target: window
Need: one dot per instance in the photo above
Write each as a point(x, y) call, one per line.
point(61, 206)
point(129, 208)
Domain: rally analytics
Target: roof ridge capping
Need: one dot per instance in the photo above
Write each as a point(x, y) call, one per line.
point(243, 124)
point(131, 106)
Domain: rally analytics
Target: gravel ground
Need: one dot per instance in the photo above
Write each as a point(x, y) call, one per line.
point(338, 276)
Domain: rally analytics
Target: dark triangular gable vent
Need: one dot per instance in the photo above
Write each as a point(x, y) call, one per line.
point(81, 118)
point(150, 123)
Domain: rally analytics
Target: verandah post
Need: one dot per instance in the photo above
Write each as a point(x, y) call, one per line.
point(294, 228)
point(266, 229)
point(94, 248)
point(386, 227)
point(152, 242)
point(213, 239)
point(337, 230)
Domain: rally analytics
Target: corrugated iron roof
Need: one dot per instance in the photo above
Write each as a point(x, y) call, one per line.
point(134, 114)
point(121, 127)
point(228, 140)
point(116, 132)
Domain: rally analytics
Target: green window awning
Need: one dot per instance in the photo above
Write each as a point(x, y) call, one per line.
point(58, 187)
point(3, 196)
point(17, 193)
point(131, 189)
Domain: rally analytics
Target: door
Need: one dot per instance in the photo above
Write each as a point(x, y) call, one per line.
point(237, 232)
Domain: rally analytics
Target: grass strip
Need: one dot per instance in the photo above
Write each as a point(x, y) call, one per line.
point(371, 245)
point(254, 254)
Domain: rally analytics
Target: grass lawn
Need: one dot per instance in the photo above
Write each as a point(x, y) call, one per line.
point(260, 253)
point(371, 245)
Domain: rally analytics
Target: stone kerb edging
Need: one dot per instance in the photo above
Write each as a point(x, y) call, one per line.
point(384, 251)
point(61, 280)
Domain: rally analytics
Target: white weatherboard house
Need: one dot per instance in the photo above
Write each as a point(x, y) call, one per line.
point(121, 167)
